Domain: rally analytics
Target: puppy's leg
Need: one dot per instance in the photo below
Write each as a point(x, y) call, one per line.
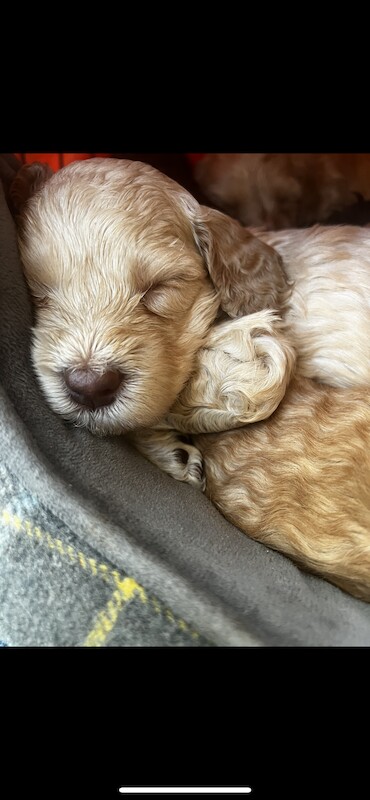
point(167, 450)
point(241, 375)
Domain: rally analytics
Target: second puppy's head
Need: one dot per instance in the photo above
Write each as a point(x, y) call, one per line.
point(125, 269)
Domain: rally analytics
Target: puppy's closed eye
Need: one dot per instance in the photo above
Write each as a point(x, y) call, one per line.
point(165, 298)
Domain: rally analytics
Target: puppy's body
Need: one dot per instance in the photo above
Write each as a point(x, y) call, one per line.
point(300, 481)
point(328, 313)
point(281, 190)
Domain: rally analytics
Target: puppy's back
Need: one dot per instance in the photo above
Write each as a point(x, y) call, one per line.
point(329, 306)
point(300, 481)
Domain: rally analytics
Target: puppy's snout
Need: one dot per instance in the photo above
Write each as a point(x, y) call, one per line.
point(93, 389)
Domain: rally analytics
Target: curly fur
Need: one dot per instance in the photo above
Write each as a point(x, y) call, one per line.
point(300, 482)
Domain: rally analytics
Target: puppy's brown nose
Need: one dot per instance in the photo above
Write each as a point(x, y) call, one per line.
point(93, 389)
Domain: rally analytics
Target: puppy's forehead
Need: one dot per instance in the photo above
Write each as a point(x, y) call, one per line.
point(109, 213)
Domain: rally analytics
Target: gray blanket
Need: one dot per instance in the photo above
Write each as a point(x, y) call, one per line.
point(99, 548)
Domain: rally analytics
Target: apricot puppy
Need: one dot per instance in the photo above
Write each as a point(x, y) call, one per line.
point(123, 266)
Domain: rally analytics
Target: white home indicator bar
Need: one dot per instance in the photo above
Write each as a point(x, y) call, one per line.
point(185, 789)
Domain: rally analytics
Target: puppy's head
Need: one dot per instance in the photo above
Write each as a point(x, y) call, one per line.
point(120, 261)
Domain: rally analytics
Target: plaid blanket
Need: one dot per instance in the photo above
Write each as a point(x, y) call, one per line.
point(56, 590)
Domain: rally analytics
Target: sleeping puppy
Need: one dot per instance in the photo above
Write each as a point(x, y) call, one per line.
point(284, 190)
point(122, 264)
point(128, 274)
point(299, 482)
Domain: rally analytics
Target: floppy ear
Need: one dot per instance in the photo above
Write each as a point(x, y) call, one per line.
point(247, 273)
point(28, 180)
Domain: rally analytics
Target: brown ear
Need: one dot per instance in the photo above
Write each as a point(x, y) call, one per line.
point(247, 273)
point(28, 180)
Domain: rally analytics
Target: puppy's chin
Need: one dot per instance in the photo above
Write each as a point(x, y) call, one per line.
point(108, 422)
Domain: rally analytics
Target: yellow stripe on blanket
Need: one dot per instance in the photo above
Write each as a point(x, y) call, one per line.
point(125, 588)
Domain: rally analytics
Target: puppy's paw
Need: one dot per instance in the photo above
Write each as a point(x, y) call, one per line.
point(168, 450)
point(240, 376)
point(188, 466)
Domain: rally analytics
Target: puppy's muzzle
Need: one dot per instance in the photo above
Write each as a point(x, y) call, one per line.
point(93, 389)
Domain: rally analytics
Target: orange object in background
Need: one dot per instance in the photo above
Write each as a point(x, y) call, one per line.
point(57, 160)
point(194, 157)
